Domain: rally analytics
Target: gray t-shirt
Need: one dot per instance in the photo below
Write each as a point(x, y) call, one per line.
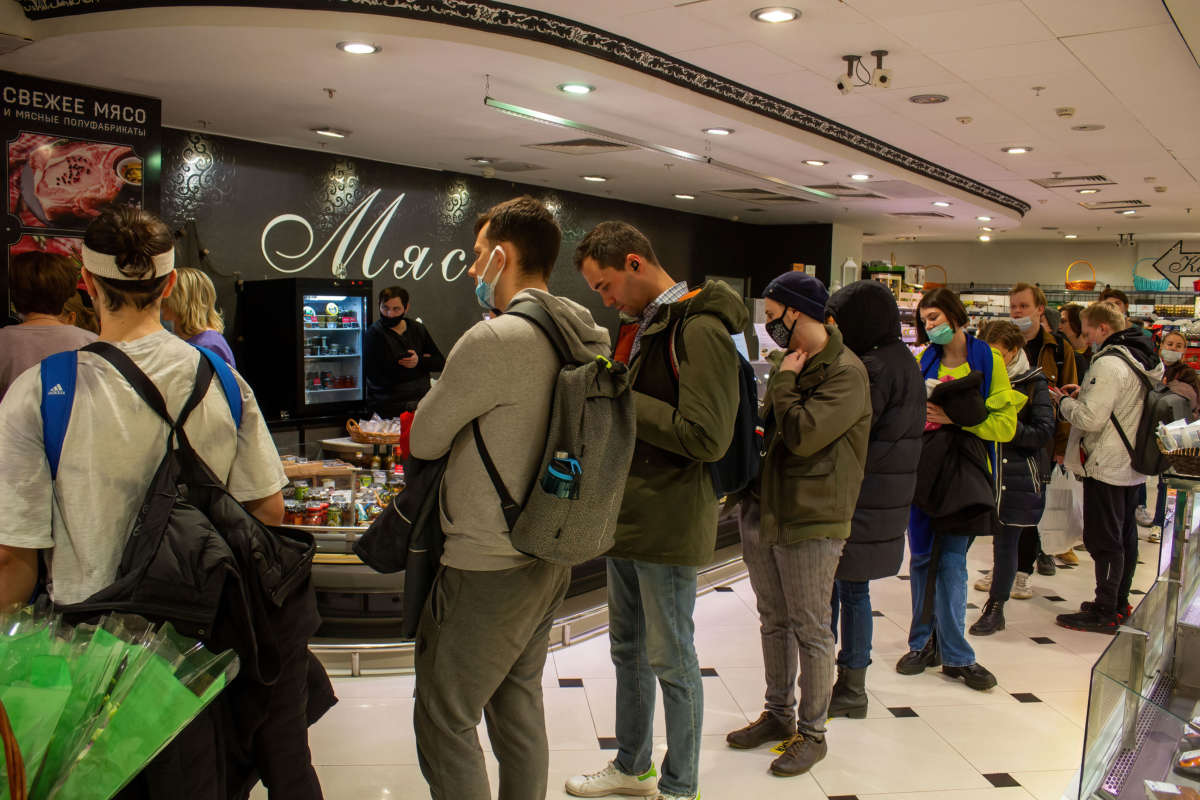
point(23, 346)
point(113, 446)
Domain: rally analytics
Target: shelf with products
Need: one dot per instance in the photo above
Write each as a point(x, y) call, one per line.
point(332, 328)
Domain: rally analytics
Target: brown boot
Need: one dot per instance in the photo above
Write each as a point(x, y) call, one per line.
point(766, 728)
point(800, 753)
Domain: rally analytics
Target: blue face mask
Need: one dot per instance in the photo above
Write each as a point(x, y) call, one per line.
point(485, 293)
point(941, 335)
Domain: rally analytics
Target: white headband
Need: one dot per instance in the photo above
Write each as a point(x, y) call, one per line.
point(103, 265)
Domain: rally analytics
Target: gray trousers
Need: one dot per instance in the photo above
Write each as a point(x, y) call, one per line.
point(793, 584)
point(480, 650)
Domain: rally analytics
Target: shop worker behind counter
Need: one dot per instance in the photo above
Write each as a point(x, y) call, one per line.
point(112, 449)
point(668, 522)
point(398, 356)
point(484, 632)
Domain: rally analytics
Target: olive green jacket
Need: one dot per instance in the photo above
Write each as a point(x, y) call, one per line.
point(669, 511)
point(818, 423)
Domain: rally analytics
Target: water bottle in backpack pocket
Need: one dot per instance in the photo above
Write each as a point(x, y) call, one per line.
point(562, 476)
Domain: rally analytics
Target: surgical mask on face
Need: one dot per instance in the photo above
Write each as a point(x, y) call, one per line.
point(392, 322)
point(1170, 356)
point(1023, 323)
point(485, 293)
point(780, 332)
point(941, 335)
point(1095, 347)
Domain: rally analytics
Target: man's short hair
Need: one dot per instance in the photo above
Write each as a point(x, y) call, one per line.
point(1070, 316)
point(132, 236)
point(1115, 294)
point(1103, 313)
point(41, 283)
point(1039, 297)
point(392, 292)
point(528, 226)
point(609, 242)
point(1003, 333)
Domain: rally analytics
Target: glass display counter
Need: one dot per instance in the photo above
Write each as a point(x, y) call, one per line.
point(1142, 737)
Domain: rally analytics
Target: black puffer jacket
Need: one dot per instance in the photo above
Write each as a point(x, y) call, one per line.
point(867, 316)
point(1025, 462)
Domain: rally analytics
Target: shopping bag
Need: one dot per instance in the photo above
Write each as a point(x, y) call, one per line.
point(1061, 527)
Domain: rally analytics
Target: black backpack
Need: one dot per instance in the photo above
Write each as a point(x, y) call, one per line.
point(742, 462)
point(1161, 405)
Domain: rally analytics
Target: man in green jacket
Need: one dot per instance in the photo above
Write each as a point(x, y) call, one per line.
point(818, 419)
point(685, 378)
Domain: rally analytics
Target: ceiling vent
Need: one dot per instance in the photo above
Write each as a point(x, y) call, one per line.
point(926, 214)
point(1113, 205)
point(514, 166)
point(756, 196)
point(582, 147)
point(902, 190)
point(850, 192)
point(1081, 181)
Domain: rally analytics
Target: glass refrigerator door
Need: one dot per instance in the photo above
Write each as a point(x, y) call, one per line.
point(333, 335)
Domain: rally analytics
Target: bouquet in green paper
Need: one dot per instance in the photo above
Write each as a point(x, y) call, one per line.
point(91, 705)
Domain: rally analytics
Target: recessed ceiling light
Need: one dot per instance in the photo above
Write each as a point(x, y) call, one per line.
point(332, 133)
point(986, 228)
point(941, 204)
point(576, 88)
point(984, 219)
point(860, 176)
point(1071, 236)
point(594, 178)
point(815, 162)
point(928, 99)
point(983, 237)
point(358, 48)
point(480, 159)
point(717, 131)
point(1087, 128)
point(1016, 151)
point(1128, 213)
point(1087, 191)
point(775, 14)
point(685, 197)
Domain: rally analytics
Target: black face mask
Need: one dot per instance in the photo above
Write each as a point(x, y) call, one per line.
point(780, 332)
point(392, 322)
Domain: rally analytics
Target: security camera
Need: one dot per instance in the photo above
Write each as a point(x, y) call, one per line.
point(882, 78)
point(844, 84)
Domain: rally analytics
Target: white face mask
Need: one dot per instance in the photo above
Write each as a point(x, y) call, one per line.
point(1170, 356)
point(1024, 323)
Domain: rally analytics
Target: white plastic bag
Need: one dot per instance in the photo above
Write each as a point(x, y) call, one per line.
point(1061, 527)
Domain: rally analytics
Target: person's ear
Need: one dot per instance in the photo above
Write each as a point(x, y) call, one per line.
point(89, 284)
point(172, 279)
point(633, 262)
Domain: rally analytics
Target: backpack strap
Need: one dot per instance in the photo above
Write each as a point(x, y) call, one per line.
point(507, 505)
point(233, 392)
point(146, 389)
point(541, 319)
point(1116, 351)
point(58, 397)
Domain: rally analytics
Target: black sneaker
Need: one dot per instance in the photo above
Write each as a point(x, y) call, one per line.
point(975, 676)
point(1124, 614)
point(1045, 564)
point(1090, 621)
point(914, 662)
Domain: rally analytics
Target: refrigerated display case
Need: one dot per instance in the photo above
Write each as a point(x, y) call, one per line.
point(319, 326)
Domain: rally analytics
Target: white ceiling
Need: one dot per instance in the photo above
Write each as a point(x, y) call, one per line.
point(259, 74)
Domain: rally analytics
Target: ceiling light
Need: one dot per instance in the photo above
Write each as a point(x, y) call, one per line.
point(685, 197)
point(1128, 213)
point(984, 219)
point(1087, 191)
point(983, 237)
point(332, 133)
point(815, 162)
point(594, 178)
point(986, 228)
point(941, 204)
point(717, 131)
point(1071, 236)
point(928, 99)
point(860, 176)
point(576, 88)
point(775, 14)
point(358, 48)
point(1016, 151)
point(480, 159)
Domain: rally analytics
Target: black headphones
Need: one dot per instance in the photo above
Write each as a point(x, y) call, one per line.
point(634, 264)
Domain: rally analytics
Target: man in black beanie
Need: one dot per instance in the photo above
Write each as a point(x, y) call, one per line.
point(818, 417)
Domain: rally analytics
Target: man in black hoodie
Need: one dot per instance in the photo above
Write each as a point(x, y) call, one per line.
point(866, 314)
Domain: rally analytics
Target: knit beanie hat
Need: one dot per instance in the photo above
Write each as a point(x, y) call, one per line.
point(800, 291)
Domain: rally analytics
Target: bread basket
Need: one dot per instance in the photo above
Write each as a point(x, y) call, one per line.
point(1185, 462)
point(357, 434)
point(1081, 286)
point(929, 285)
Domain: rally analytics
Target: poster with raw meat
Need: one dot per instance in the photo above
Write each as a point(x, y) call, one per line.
point(70, 151)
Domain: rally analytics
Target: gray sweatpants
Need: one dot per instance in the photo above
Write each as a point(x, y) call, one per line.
point(480, 651)
point(793, 584)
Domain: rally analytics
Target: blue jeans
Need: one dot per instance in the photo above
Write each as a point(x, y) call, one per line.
point(651, 632)
point(852, 602)
point(949, 602)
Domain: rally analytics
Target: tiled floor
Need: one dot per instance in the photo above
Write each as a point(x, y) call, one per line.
point(925, 737)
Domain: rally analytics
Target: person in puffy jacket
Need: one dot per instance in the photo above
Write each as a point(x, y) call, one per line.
point(866, 314)
point(1024, 463)
point(1183, 381)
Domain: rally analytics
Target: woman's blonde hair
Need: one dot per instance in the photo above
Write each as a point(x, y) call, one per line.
point(194, 304)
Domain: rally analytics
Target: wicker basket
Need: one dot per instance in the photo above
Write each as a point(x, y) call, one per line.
point(1185, 462)
point(14, 763)
point(1081, 286)
point(929, 285)
point(364, 437)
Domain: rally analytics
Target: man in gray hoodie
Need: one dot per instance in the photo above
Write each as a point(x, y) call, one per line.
point(484, 633)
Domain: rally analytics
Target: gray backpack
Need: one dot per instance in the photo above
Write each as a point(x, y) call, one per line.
point(571, 507)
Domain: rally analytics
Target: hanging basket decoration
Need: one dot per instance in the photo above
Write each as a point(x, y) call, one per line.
point(930, 285)
point(1081, 286)
point(1141, 284)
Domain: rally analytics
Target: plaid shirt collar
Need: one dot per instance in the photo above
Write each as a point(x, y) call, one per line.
point(671, 295)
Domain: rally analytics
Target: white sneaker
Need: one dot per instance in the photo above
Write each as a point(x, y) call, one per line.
point(611, 780)
point(984, 584)
point(1143, 516)
point(1155, 535)
point(1022, 590)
